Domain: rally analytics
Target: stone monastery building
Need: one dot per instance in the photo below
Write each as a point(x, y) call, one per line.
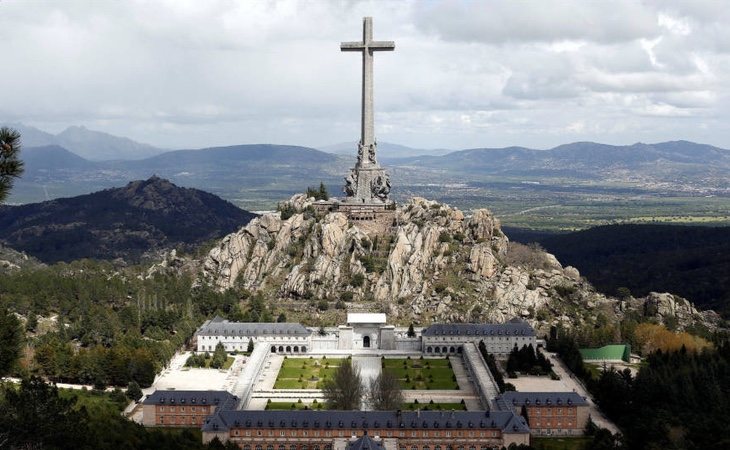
point(331, 430)
point(363, 331)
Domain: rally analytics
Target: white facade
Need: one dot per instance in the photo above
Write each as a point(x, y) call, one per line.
point(363, 331)
point(499, 339)
point(235, 336)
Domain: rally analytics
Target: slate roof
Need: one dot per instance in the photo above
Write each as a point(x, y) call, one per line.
point(365, 443)
point(507, 421)
point(511, 328)
point(220, 327)
point(222, 399)
point(518, 399)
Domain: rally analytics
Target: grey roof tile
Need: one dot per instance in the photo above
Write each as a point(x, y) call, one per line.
point(511, 328)
point(507, 421)
point(542, 398)
point(223, 399)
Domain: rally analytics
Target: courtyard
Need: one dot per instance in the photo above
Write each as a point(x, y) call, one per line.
point(306, 373)
point(422, 373)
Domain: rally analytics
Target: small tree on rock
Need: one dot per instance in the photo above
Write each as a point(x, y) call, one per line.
point(10, 165)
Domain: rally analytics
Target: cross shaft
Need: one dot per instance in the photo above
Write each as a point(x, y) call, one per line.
point(367, 47)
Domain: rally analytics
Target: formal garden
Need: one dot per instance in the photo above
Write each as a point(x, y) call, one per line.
point(306, 373)
point(422, 373)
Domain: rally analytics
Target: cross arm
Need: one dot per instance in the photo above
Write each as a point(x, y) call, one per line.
point(352, 46)
point(381, 45)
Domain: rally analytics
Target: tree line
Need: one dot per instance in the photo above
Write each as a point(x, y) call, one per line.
point(677, 400)
point(112, 325)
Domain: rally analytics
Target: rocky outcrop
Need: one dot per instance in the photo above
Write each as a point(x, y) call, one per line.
point(669, 309)
point(435, 263)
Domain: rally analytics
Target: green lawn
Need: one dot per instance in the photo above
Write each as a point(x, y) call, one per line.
point(560, 443)
point(305, 373)
point(422, 374)
point(294, 405)
point(434, 406)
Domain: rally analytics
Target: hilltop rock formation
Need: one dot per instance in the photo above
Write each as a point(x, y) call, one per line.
point(434, 264)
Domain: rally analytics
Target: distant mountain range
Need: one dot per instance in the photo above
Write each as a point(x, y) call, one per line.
point(256, 176)
point(89, 144)
point(579, 159)
point(121, 222)
point(386, 150)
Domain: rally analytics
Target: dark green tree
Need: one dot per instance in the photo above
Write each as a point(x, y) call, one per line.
point(11, 166)
point(11, 337)
point(35, 416)
point(344, 390)
point(133, 391)
point(249, 349)
point(219, 357)
point(411, 331)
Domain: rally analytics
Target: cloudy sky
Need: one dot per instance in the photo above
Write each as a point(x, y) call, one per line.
point(185, 74)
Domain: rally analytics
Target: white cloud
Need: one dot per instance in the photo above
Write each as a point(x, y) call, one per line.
point(185, 73)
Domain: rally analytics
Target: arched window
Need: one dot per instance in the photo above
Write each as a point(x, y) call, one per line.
point(247, 447)
point(273, 349)
point(429, 349)
point(288, 349)
point(292, 447)
point(304, 349)
point(281, 348)
point(282, 447)
point(452, 350)
point(259, 447)
point(414, 447)
point(438, 349)
point(443, 349)
point(296, 349)
point(271, 447)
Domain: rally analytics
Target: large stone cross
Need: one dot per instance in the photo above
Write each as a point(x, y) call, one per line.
point(367, 47)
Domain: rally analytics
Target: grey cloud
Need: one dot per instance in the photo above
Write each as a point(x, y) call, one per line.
point(190, 73)
point(509, 21)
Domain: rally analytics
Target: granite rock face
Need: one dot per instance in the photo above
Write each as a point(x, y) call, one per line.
point(434, 264)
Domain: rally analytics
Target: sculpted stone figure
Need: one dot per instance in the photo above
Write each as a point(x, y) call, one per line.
point(381, 187)
point(371, 153)
point(350, 184)
point(360, 152)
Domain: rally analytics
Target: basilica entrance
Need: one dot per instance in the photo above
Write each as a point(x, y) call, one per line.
point(366, 342)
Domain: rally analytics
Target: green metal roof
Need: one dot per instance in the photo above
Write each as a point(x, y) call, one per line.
point(607, 352)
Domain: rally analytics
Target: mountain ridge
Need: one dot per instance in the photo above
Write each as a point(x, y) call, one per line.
point(89, 144)
point(121, 222)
